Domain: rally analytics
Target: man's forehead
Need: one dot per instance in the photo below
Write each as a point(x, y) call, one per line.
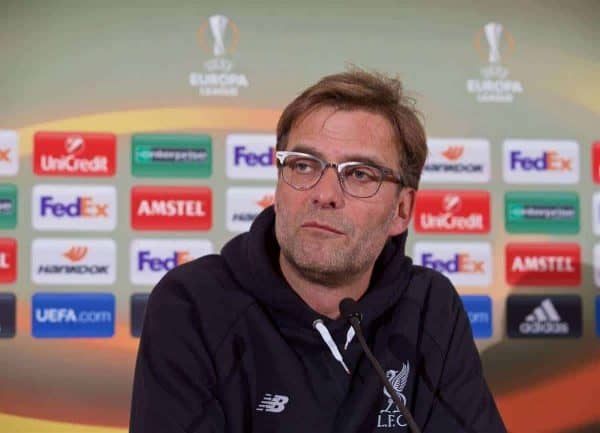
point(348, 132)
point(336, 121)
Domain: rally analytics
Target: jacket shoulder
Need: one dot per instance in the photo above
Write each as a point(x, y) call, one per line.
point(438, 301)
point(204, 290)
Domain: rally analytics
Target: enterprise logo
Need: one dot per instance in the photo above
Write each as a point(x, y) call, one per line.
point(73, 315)
point(541, 212)
point(171, 155)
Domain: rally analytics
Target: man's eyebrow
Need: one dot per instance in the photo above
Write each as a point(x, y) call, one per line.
point(304, 148)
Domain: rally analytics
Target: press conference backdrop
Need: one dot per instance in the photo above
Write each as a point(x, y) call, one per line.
point(134, 138)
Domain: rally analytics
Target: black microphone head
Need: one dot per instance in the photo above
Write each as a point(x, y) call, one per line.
point(349, 309)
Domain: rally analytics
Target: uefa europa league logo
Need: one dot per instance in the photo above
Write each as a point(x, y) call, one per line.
point(493, 34)
point(218, 27)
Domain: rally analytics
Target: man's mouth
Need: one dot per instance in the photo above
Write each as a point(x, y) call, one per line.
point(321, 226)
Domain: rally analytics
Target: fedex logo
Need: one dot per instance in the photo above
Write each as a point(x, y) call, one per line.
point(251, 156)
point(460, 262)
point(465, 263)
point(150, 259)
point(147, 261)
point(84, 207)
point(547, 161)
point(9, 153)
point(537, 161)
point(242, 155)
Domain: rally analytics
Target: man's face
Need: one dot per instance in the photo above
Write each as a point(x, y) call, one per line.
point(324, 233)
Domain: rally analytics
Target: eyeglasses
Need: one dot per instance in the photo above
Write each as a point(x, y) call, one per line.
point(303, 171)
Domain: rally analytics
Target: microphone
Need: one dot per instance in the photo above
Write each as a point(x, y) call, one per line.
point(349, 309)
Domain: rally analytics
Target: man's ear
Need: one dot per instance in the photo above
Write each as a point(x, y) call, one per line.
point(404, 211)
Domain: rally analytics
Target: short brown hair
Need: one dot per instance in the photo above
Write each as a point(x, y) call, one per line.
point(374, 92)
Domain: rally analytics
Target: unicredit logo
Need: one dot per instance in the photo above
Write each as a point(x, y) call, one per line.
point(452, 212)
point(74, 154)
point(554, 264)
point(175, 208)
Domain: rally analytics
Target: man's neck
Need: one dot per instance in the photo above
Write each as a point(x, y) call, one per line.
point(322, 298)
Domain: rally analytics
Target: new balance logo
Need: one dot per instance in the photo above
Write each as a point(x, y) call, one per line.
point(273, 403)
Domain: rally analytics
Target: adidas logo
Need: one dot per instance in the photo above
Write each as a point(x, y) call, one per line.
point(273, 403)
point(544, 320)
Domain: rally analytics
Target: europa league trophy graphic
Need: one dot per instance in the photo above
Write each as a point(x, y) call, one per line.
point(218, 26)
point(493, 33)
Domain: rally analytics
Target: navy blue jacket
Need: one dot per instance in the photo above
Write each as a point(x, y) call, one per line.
point(228, 346)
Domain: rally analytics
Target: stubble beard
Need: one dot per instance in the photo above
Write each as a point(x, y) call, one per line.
point(326, 262)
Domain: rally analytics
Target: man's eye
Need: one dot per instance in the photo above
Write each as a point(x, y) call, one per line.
point(302, 167)
point(363, 174)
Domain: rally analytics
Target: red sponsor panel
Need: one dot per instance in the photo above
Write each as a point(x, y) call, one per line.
point(452, 212)
point(596, 161)
point(543, 264)
point(81, 154)
point(8, 260)
point(171, 208)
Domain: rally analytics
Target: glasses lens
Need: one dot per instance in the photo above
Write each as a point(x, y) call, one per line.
point(361, 180)
point(301, 172)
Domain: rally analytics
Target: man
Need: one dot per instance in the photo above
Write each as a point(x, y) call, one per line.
point(252, 340)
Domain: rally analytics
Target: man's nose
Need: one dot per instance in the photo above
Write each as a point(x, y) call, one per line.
point(328, 192)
